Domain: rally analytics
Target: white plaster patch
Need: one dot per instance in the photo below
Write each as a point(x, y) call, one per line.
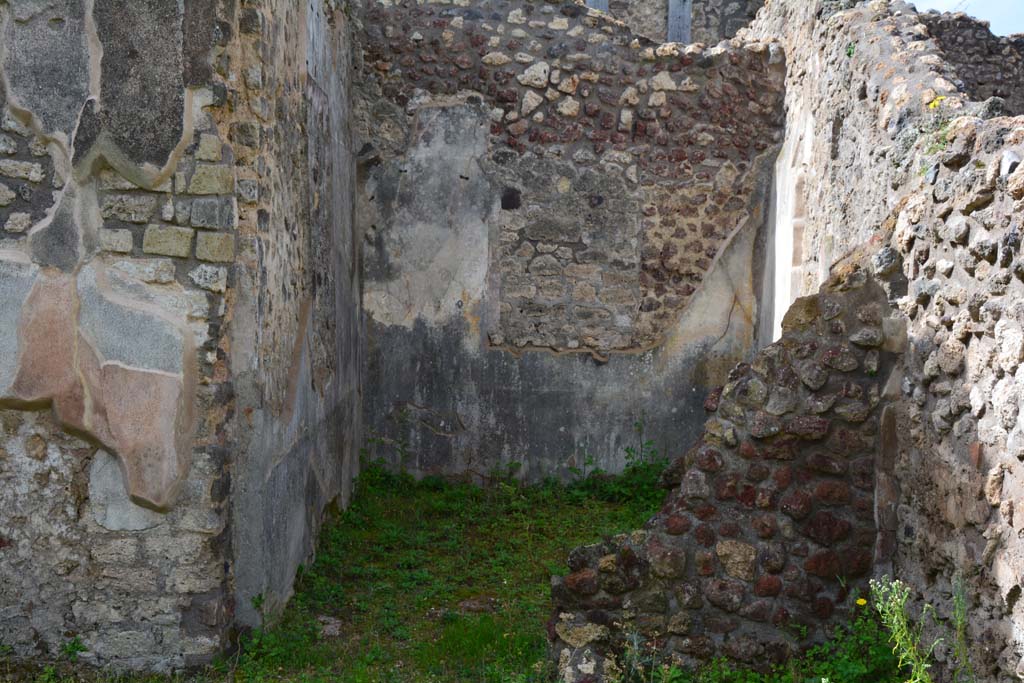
point(109, 502)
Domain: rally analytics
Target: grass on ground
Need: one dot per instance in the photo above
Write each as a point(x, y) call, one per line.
point(438, 582)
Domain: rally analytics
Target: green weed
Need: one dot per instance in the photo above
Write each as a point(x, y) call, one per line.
point(890, 598)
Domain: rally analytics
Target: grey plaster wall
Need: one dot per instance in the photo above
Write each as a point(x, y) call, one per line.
point(440, 402)
point(298, 338)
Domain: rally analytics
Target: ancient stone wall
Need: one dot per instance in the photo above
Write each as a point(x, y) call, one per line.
point(770, 527)
point(540, 184)
point(954, 256)
point(986, 65)
point(711, 21)
point(913, 174)
point(136, 207)
point(715, 20)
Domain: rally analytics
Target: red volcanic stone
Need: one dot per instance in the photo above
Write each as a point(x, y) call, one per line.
point(764, 499)
point(783, 477)
point(781, 617)
point(862, 473)
point(725, 487)
point(765, 526)
point(747, 495)
point(824, 564)
point(708, 459)
point(729, 529)
point(463, 62)
point(749, 451)
point(819, 462)
point(824, 528)
point(768, 586)
point(758, 472)
point(705, 512)
point(759, 610)
point(796, 504)
point(705, 535)
point(725, 594)
point(864, 508)
point(832, 493)
point(677, 524)
point(809, 427)
point(848, 442)
point(823, 608)
point(858, 560)
point(782, 448)
point(583, 582)
point(705, 563)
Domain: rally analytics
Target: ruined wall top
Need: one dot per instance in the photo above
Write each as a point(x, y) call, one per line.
point(618, 169)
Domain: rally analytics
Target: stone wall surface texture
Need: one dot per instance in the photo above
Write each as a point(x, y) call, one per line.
point(535, 178)
point(770, 525)
point(887, 137)
point(711, 21)
point(134, 200)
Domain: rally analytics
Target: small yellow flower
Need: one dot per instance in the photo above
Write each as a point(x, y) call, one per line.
point(937, 102)
point(861, 601)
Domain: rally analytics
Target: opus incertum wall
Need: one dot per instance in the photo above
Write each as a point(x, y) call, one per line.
point(769, 528)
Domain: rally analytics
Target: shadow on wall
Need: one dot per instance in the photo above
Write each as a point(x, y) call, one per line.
point(562, 239)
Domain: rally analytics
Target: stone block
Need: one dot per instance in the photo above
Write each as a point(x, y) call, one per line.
point(23, 170)
point(212, 179)
point(131, 208)
point(166, 240)
point(18, 222)
point(212, 278)
point(6, 195)
point(118, 240)
point(248, 191)
point(215, 246)
point(209, 148)
point(213, 212)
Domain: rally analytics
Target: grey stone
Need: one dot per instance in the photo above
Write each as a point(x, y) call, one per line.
point(16, 280)
point(886, 261)
point(141, 81)
point(213, 212)
point(213, 278)
point(109, 503)
point(154, 343)
point(45, 44)
point(57, 243)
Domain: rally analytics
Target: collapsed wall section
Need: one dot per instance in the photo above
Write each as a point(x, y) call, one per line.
point(560, 219)
point(159, 212)
point(769, 530)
